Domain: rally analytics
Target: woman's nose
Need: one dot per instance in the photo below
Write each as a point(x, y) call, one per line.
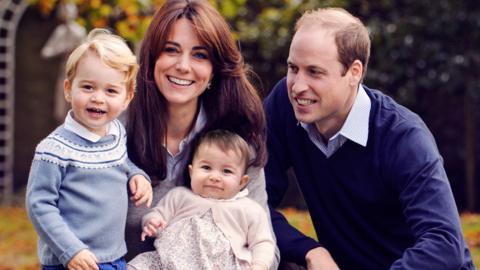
point(183, 64)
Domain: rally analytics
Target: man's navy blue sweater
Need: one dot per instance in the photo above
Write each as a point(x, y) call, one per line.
point(388, 205)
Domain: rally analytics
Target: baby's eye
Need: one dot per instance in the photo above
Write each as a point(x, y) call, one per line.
point(205, 167)
point(87, 87)
point(227, 171)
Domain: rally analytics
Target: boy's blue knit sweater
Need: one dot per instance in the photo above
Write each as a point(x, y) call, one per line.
point(77, 195)
point(384, 206)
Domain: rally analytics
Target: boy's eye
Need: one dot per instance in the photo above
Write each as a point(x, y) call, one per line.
point(112, 91)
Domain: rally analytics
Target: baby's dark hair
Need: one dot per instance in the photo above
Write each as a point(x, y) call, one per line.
point(226, 141)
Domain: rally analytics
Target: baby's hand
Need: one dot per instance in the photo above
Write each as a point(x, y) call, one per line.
point(258, 267)
point(151, 227)
point(84, 259)
point(141, 190)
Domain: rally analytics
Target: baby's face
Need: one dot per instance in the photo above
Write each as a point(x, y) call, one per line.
point(98, 93)
point(217, 174)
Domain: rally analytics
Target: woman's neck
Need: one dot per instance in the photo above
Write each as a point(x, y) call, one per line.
point(179, 123)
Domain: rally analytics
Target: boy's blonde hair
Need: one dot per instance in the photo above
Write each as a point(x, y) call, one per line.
point(227, 141)
point(112, 51)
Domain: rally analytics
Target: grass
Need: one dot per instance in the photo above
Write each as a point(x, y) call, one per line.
point(18, 239)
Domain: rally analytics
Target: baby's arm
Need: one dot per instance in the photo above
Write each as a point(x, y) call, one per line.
point(151, 226)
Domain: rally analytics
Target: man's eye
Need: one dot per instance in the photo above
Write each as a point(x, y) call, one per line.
point(293, 69)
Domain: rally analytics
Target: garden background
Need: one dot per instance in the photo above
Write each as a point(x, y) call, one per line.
point(424, 54)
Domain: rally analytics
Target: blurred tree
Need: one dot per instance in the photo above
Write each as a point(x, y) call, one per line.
point(422, 50)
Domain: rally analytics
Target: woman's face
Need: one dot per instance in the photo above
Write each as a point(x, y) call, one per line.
point(183, 69)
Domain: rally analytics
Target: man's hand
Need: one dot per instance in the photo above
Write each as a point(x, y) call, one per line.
point(141, 190)
point(83, 260)
point(320, 259)
point(151, 227)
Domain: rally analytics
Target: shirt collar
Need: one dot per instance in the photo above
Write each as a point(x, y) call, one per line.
point(355, 127)
point(74, 126)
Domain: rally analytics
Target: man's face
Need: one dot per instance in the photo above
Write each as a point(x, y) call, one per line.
point(320, 91)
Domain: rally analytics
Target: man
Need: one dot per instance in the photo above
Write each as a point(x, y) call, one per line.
point(368, 168)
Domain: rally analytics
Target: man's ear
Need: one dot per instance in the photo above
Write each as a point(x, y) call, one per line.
point(356, 71)
point(67, 90)
point(244, 181)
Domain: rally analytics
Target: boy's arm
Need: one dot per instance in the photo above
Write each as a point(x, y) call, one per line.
point(135, 170)
point(42, 197)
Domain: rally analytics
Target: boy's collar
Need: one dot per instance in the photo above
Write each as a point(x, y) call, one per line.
point(74, 126)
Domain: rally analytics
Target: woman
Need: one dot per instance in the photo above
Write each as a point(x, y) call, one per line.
point(192, 79)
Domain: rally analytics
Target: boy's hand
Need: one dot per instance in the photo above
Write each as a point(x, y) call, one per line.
point(83, 260)
point(141, 190)
point(151, 227)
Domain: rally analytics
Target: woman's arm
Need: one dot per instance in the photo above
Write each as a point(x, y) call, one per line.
point(258, 193)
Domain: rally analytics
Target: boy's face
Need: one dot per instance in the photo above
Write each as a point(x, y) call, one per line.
point(98, 93)
point(217, 174)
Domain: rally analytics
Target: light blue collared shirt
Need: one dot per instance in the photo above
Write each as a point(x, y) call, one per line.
point(355, 127)
point(74, 126)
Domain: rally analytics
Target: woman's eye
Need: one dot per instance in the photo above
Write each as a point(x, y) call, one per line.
point(170, 49)
point(201, 55)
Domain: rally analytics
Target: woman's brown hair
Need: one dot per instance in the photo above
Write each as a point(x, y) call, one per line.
point(231, 103)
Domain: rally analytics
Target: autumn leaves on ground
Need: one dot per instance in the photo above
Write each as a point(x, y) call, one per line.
point(18, 239)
